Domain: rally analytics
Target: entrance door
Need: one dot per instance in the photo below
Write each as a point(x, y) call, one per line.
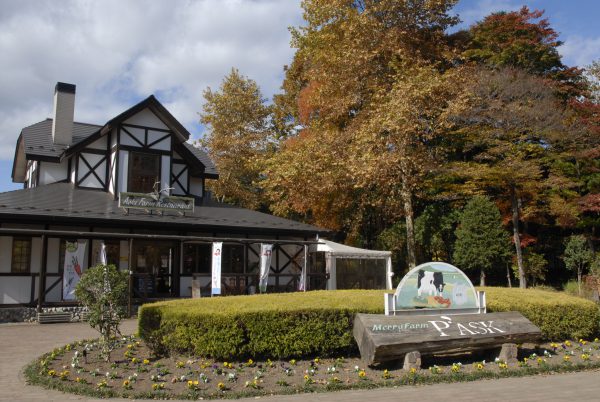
point(154, 264)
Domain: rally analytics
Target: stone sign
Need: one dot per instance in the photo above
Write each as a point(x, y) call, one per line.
point(383, 338)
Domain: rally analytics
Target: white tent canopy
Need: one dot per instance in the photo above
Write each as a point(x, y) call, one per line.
point(334, 251)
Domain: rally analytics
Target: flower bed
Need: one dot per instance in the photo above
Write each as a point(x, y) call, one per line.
point(137, 373)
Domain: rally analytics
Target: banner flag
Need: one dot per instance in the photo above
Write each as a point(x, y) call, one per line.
point(217, 250)
point(102, 258)
point(265, 266)
point(302, 284)
point(74, 265)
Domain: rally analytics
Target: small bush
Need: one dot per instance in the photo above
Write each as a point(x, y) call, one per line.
point(320, 323)
point(557, 314)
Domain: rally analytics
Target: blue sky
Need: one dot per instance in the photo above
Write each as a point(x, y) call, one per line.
point(118, 52)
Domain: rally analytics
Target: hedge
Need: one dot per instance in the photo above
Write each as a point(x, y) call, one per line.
point(559, 315)
point(320, 323)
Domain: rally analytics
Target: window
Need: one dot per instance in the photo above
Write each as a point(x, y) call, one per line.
point(232, 260)
point(21, 255)
point(113, 252)
point(197, 258)
point(144, 171)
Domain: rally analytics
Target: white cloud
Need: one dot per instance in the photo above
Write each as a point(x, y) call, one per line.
point(579, 51)
point(118, 52)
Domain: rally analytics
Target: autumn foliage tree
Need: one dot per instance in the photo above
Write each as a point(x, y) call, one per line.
point(522, 39)
point(512, 123)
point(350, 55)
point(238, 139)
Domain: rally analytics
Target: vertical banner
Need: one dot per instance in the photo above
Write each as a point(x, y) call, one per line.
point(265, 266)
point(74, 263)
point(102, 257)
point(302, 284)
point(217, 250)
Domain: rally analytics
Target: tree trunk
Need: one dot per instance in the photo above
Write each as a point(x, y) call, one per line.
point(410, 227)
point(508, 275)
point(482, 278)
point(517, 239)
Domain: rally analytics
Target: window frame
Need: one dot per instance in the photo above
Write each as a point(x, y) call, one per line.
point(13, 263)
point(130, 173)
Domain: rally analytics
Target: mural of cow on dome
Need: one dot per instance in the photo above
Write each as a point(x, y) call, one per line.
point(435, 285)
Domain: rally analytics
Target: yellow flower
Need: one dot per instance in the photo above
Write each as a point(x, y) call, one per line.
point(413, 370)
point(567, 358)
point(362, 374)
point(316, 360)
point(293, 362)
point(51, 373)
point(130, 346)
point(568, 343)
point(479, 366)
point(146, 361)
point(585, 357)
point(502, 365)
point(221, 386)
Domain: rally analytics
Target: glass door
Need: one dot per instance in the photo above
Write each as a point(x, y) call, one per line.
point(153, 267)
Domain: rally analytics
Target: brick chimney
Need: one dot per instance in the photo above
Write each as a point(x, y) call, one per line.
point(64, 109)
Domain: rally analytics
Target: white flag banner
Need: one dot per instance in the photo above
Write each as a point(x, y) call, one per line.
point(217, 251)
point(102, 257)
point(265, 266)
point(74, 265)
point(302, 284)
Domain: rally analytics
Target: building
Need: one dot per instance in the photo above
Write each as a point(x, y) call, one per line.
point(136, 185)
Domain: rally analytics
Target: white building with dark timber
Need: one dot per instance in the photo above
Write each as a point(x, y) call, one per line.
point(74, 175)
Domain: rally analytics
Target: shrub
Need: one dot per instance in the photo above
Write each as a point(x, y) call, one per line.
point(320, 323)
point(273, 325)
point(557, 314)
point(103, 291)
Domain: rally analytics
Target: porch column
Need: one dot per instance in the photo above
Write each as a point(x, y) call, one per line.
point(42, 281)
point(130, 269)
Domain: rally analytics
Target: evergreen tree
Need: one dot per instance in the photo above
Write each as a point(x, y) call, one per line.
point(577, 256)
point(481, 242)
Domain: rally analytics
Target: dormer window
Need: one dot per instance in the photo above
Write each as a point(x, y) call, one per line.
point(144, 171)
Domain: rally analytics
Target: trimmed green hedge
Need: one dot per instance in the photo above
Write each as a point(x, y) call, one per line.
point(320, 323)
point(559, 315)
point(273, 325)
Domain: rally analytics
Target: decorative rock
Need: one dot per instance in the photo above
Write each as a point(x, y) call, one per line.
point(508, 353)
point(412, 360)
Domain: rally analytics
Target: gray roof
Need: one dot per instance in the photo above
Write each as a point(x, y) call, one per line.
point(37, 138)
point(63, 203)
point(209, 166)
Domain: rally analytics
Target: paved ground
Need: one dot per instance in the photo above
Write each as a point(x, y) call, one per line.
point(21, 343)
